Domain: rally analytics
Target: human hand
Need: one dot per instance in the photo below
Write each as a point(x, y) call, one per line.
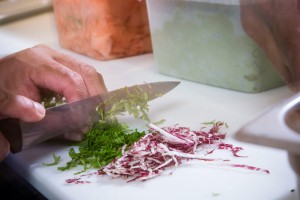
point(24, 74)
point(275, 26)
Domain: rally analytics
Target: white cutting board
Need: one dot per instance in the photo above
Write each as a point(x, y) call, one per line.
point(189, 104)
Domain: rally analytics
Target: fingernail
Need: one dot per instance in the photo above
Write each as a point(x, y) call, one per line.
point(40, 108)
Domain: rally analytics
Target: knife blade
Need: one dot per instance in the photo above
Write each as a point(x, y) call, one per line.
point(72, 117)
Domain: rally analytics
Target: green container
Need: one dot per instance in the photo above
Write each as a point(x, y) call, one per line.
point(204, 41)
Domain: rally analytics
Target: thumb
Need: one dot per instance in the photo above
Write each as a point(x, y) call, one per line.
point(21, 107)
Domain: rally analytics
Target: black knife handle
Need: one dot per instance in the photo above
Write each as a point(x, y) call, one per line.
point(11, 129)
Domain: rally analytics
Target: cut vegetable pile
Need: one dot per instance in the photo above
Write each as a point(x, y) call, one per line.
point(116, 151)
point(160, 149)
point(168, 147)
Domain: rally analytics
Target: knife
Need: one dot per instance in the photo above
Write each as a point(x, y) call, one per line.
point(73, 117)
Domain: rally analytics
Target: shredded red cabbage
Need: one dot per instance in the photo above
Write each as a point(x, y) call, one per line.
point(167, 147)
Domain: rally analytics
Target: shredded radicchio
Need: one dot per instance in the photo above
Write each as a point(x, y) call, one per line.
point(168, 147)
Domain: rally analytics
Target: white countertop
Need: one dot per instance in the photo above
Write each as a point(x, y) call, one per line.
point(189, 105)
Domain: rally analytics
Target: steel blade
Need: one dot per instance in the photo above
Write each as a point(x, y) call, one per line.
point(76, 116)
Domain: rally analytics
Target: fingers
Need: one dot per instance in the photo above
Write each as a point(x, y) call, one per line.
point(93, 80)
point(20, 107)
point(90, 78)
point(67, 73)
point(62, 80)
point(4, 147)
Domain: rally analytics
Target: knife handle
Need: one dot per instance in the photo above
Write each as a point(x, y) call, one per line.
point(11, 130)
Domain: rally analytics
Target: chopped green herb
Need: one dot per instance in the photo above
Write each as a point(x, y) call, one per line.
point(102, 145)
point(107, 137)
point(55, 162)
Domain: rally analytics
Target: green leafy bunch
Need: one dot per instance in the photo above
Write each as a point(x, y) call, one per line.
point(105, 139)
point(102, 145)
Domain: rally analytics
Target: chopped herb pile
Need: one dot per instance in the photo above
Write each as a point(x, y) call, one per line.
point(107, 138)
point(102, 145)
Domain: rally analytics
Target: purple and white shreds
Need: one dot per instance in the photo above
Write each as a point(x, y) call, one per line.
point(169, 147)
